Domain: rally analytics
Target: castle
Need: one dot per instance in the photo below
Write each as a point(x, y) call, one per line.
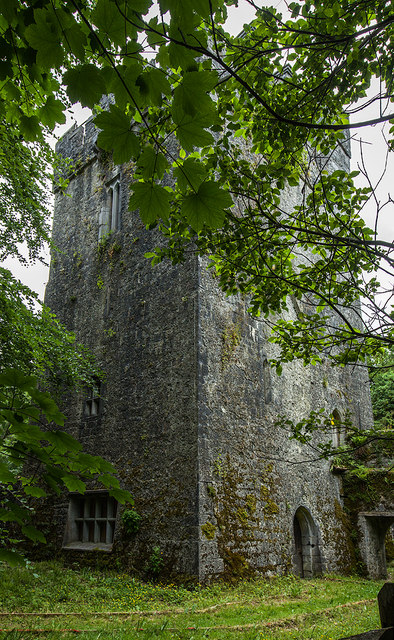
point(189, 403)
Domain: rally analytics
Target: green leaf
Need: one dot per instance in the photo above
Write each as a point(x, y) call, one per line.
point(63, 441)
point(36, 492)
point(121, 496)
point(191, 132)
point(152, 163)
point(12, 558)
point(6, 475)
point(52, 112)
point(116, 135)
point(122, 83)
point(33, 534)
point(30, 127)
point(75, 40)
point(14, 513)
point(190, 175)
point(85, 84)
point(152, 37)
point(191, 95)
point(206, 207)
point(152, 200)
point(153, 83)
point(45, 37)
point(140, 6)
point(109, 20)
point(9, 10)
point(73, 483)
point(179, 56)
point(109, 481)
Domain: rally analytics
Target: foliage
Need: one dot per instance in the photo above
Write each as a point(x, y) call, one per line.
point(131, 521)
point(235, 126)
point(349, 447)
point(382, 389)
point(253, 116)
point(34, 342)
point(282, 607)
point(37, 457)
point(24, 214)
point(155, 563)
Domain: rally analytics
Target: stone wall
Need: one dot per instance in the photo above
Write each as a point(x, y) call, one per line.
point(141, 324)
point(189, 403)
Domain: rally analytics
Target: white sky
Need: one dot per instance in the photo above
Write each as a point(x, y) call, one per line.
point(36, 275)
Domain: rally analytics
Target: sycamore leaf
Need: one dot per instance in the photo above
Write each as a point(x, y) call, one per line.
point(190, 175)
point(140, 6)
point(206, 207)
point(36, 492)
point(191, 127)
point(154, 83)
point(116, 135)
point(6, 475)
point(9, 10)
point(73, 483)
point(44, 36)
point(63, 441)
point(85, 84)
point(153, 37)
point(109, 481)
point(12, 558)
point(121, 496)
point(30, 127)
point(122, 83)
point(52, 112)
point(152, 162)
point(179, 56)
point(47, 405)
point(191, 95)
point(152, 200)
point(15, 378)
point(75, 39)
point(14, 513)
point(110, 22)
point(33, 534)
point(191, 132)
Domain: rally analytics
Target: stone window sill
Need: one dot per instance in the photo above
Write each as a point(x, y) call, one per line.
point(88, 546)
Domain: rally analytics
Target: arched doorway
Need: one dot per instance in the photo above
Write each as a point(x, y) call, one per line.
point(307, 561)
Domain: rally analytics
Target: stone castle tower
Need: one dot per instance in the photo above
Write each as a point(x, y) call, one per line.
point(188, 407)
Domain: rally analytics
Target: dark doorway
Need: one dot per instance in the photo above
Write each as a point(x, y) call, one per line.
point(298, 561)
point(307, 561)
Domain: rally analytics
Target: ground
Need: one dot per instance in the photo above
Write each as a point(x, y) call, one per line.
point(49, 601)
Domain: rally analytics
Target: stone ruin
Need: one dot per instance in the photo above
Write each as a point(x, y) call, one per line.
point(188, 408)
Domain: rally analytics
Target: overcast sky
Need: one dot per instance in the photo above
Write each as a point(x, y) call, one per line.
point(373, 144)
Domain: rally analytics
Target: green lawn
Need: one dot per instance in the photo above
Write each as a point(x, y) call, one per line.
point(46, 600)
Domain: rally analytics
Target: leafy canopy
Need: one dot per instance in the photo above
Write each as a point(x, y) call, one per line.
point(251, 116)
point(222, 131)
point(36, 459)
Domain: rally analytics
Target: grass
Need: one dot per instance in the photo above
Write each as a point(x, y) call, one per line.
point(49, 601)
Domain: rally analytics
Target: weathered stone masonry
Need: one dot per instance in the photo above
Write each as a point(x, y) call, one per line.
point(189, 402)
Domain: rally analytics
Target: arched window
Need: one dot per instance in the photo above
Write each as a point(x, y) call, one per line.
point(338, 433)
point(110, 218)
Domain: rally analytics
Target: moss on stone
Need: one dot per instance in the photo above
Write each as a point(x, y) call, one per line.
point(209, 530)
point(250, 502)
point(231, 337)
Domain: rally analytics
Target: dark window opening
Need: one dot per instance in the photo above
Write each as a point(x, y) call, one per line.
point(91, 521)
point(92, 404)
